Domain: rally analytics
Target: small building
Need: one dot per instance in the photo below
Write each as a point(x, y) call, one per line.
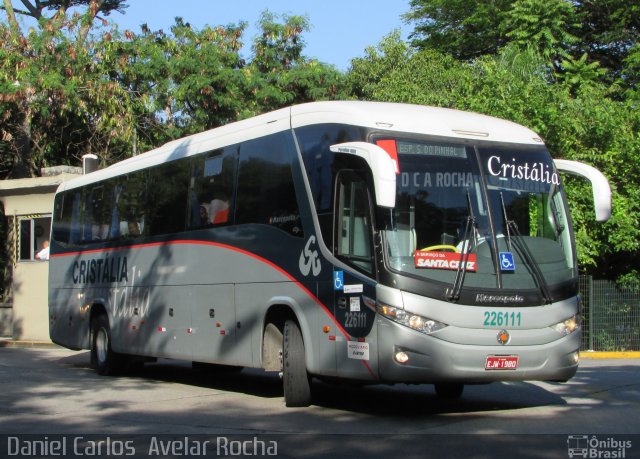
point(28, 205)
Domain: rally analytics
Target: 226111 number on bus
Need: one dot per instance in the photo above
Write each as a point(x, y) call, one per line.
point(502, 319)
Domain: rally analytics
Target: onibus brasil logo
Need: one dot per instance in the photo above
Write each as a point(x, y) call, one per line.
point(594, 447)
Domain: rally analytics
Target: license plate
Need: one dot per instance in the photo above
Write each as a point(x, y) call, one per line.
point(501, 362)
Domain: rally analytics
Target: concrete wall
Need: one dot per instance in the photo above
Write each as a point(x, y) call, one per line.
point(6, 320)
point(30, 301)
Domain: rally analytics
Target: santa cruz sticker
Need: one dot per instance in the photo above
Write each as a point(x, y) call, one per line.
point(443, 260)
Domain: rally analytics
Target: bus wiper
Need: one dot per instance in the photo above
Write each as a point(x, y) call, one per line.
point(469, 232)
point(512, 227)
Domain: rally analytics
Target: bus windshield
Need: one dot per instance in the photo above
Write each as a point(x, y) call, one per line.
point(497, 212)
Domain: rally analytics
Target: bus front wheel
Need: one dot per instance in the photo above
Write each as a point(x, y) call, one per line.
point(103, 359)
point(296, 381)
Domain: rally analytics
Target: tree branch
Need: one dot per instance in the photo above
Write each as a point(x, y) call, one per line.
point(11, 17)
point(93, 9)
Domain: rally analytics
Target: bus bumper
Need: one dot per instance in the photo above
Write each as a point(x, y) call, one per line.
point(430, 359)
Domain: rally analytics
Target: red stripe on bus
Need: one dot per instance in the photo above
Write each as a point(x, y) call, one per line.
point(223, 246)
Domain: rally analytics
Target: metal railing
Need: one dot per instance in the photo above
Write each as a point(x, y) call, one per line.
point(610, 315)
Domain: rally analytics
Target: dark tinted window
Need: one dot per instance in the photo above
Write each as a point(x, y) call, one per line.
point(128, 219)
point(211, 188)
point(168, 198)
point(97, 212)
point(66, 216)
point(266, 193)
point(319, 161)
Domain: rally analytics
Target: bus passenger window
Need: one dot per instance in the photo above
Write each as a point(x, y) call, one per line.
point(131, 200)
point(211, 188)
point(266, 192)
point(167, 204)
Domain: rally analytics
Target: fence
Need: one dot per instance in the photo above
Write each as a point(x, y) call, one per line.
point(610, 315)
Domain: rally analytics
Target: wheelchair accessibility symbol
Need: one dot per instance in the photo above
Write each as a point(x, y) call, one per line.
point(338, 280)
point(506, 261)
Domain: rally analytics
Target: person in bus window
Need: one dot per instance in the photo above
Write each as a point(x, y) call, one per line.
point(218, 211)
point(204, 216)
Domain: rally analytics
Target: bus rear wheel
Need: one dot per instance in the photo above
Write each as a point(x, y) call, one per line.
point(449, 390)
point(103, 359)
point(296, 381)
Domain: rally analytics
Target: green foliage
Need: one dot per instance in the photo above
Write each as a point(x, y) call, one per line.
point(545, 25)
point(54, 100)
point(119, 93)
point(609, 29)
point(590, 39)
point(631, 75)
point(368, 72)
point(464, 29)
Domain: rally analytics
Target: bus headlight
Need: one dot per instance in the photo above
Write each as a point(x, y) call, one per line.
point(408, 319)
point(566, 327)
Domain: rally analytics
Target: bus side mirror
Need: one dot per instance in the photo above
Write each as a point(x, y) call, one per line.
point(382, 168)
point(599, 184)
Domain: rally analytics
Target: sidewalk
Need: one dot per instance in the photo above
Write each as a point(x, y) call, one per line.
point(9, 342)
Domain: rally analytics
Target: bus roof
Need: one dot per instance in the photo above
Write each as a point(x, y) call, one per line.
point(383, 116)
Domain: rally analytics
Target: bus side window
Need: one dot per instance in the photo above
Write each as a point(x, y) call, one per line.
point(63, 217)
point(97, 219)
point(131, 203)
point(211, 188)
point(353, 241)
point(167, 204)
point(266, 193)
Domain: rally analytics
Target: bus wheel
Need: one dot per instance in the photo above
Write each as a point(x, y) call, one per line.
point(103, 359)
point(297, 384)
point(449, 390)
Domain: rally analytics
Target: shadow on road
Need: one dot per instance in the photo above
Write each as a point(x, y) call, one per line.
point(408, 401)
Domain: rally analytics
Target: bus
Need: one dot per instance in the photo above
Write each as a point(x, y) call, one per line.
point(365, 241)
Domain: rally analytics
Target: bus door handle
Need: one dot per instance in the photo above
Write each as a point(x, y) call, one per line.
point(342, 302)
point(212, 313)
point(170, 312)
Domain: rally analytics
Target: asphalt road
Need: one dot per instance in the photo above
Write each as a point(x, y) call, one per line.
point(52, 394)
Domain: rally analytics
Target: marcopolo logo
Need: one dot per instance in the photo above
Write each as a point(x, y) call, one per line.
point(597, 447)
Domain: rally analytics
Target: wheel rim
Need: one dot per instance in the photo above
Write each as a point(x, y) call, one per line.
point(102, 344)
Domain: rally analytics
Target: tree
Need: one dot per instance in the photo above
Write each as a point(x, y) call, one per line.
point(465, 30)
point(121, 93)
point(368, 72)
point(545, 25)
point(36, 10)
point(280, 75)
point(191, 80)
point(609, 31)
point(596, 36)
point(55, 103)
point(48, 89)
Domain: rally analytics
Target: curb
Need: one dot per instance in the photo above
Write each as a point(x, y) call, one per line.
point(609, 355)
point(9, 343)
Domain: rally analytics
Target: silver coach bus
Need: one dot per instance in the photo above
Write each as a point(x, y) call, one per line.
point(383, 243)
